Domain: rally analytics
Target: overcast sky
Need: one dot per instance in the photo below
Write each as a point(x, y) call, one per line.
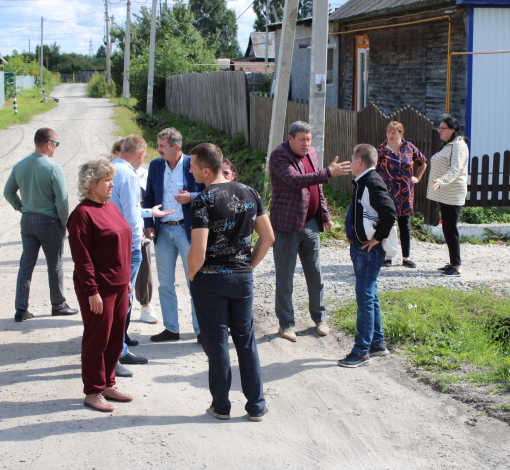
point(72, 24)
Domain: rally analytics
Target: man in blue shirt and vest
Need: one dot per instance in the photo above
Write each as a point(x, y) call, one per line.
point(126, 196)
point(170, 183)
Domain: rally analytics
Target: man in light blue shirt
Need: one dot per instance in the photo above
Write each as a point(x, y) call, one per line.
point(126, 196)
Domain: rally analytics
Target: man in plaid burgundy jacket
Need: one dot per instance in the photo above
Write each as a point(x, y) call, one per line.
point(298, 213)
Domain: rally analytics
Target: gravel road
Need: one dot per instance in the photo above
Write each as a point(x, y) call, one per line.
point(321, 416)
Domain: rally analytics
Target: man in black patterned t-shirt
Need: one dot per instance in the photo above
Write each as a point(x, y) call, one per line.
point(220, 265)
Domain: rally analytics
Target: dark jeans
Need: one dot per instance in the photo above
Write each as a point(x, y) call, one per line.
point(404, 226)
point(366, 269)
point(286, 247)
point(222, 299)
point(450, 218)
point(41, 230)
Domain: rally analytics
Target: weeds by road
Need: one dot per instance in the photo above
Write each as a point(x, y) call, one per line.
point(29, 105)
point(456, 335)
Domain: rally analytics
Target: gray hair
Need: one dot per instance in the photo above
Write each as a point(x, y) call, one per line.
point(299, 126)
point(367, 153)
point(173, 136)
point(93, 171)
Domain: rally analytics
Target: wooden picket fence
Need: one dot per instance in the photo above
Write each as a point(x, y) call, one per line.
point(340, 129)
point(218, 99)
point(489, 188)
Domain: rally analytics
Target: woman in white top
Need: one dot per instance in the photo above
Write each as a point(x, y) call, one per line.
point(448, 186)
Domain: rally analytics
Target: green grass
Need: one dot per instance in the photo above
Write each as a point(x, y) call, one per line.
point(460, 336)
point(29, 105)
point(249, 164)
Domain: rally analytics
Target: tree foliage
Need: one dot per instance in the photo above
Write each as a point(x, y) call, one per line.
point(179, 47)
point(259, 7)
point(214, 19)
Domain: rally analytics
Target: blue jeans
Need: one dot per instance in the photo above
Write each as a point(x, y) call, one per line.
point(172, 242)
point(366, 269)
point(286, 247)
point(136, 261)
point(222, 300)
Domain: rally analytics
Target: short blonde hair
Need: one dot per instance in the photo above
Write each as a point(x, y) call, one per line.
point(93, 171)
point(395, 126)
point(134, 144)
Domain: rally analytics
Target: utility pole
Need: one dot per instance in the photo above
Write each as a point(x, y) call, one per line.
point(107, 18)
point(318, 76)
point(283, 68)
point(41, 54)
point(127, 52)
point(267, 37)
point(150, 83)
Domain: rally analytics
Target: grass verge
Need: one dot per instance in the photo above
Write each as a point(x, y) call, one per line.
point(458, 336)
point(249, 164)
point(29, 105)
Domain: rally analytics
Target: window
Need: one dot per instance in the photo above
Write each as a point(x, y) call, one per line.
point(362, 74)
point(329, 77)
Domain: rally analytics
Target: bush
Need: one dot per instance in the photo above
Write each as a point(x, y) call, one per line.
point(484, 215)
point(98, 87)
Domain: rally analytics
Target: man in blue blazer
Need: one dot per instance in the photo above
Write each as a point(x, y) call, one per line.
point(171, 184)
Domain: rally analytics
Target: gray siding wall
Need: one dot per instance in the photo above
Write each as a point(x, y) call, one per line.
point(300, 74)
point(407, 67)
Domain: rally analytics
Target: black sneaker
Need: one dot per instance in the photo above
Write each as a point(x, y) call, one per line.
point(387, 263)
point(354, 360)
point(452, 272)
point(260, 417)
point(446, 267)
point(408, 263)
point(22, 315)
point(375, 351)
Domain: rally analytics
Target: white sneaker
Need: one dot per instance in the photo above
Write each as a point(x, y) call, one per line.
point(148, 314)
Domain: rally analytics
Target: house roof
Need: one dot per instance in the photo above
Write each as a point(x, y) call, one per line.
point(355, 8)
point(257, 46)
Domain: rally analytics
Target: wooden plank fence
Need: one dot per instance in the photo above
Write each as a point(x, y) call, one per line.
point(489, 188)
point(218, 99)
point(340, 129)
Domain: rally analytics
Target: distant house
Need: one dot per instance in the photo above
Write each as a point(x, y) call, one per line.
point(406, 65)
point(255, 56)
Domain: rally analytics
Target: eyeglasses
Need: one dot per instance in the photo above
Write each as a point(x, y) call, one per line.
point(442, 128)
point(55, 142)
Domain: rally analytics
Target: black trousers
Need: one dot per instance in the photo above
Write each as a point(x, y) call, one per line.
point(450, 218)
point(404, 226)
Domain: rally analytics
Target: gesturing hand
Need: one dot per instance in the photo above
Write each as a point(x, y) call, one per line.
point(156, 212)
point(183, 198)
point(339, 169)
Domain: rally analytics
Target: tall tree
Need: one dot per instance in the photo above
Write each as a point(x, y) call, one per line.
point(259, 7)
point(214, 19)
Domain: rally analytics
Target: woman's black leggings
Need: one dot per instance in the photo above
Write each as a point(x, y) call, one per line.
point(450, 218)
point(404, 225)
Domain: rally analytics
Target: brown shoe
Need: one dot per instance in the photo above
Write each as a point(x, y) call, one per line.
point(165, 335)
point(322, 328)
point(97, 402)
point(114, 394)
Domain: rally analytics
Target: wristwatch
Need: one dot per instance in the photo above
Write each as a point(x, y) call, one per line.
point(329, 171)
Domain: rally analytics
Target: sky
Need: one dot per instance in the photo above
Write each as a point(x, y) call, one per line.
point(73, 24)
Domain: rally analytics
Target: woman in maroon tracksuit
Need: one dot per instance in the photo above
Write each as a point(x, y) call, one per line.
point(100, 241)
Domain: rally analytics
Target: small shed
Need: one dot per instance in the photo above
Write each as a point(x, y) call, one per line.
point(255, 56)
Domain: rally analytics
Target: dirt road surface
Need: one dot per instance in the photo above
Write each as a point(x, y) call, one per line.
point(321, 416)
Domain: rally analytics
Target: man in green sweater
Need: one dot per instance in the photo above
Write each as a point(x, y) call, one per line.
point(44, 209)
